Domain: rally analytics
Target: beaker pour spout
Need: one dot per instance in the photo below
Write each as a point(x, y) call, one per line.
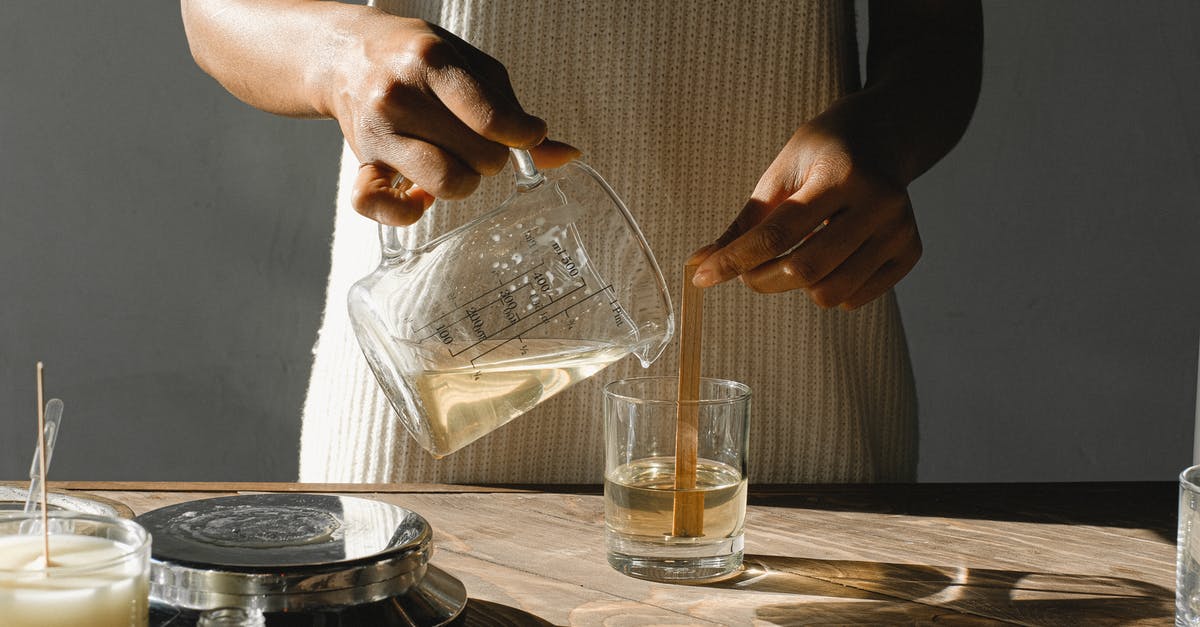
point(648, 350)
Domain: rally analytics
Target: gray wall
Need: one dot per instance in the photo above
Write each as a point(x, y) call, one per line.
point(164, 247)
point(1053, 319)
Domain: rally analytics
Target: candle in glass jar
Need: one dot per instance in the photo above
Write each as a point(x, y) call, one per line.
point(94, 581)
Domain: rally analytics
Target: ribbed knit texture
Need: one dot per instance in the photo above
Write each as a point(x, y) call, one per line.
point(681, 106)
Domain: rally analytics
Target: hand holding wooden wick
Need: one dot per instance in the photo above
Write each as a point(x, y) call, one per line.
point(688, 506)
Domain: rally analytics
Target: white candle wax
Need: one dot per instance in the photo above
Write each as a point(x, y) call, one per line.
point(88, 583)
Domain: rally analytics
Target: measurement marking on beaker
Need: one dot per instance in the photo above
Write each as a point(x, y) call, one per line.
point(543, 320)
point(472, 312)
point(458, 307)
point(606, 288)
point(491, 335)
point(622, 315)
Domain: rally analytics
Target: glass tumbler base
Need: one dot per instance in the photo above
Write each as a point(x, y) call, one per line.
point(688, 569)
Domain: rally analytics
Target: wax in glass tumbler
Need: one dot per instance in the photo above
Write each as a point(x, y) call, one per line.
point(641, 497)
point(98, 574)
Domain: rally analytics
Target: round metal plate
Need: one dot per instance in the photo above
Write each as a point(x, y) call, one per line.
point(282, 531)
point(296, 552)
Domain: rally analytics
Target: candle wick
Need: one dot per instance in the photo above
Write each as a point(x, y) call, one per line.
point(42, 466)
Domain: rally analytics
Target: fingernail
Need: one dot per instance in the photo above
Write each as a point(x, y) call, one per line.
point(704, 278)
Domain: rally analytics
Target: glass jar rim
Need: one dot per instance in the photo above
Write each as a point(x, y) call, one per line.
point(1190, 477)
point(137, 532)
point(741, 391)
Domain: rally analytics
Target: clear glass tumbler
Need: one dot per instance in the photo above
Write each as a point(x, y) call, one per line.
point(98, 575)
point(1187, 559)
point(640, 493)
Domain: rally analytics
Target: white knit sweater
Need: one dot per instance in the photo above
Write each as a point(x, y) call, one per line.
point(681, 106)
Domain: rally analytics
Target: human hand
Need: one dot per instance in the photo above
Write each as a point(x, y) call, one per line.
point(414, 100)
point(823, 218)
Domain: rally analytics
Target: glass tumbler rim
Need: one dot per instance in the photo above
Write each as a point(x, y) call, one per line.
point(140, 544)
point(1190, 478)
point(742, 390)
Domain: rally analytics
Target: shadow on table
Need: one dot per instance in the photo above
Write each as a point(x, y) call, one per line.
point(479, 613)
point(1130, 505)
point(1150, 505)
point(883, 593)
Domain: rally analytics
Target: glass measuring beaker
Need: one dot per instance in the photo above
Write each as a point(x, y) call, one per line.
point(477, 326)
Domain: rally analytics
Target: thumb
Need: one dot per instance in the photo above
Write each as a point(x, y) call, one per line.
point(551, 154)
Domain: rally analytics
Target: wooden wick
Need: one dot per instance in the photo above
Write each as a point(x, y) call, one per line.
point(41, 406)
point(687, 518)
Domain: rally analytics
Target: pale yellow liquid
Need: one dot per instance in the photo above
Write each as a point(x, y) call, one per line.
point(71, 594)
point(639, 500)
point(464, 404)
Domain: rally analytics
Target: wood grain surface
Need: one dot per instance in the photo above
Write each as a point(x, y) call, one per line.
point(1033, 554)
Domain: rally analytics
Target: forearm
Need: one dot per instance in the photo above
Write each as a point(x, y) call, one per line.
point(924, 63)
point(275, 55)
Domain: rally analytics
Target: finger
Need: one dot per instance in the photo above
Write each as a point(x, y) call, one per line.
point(430, 167)
point(776, 234)
point(374, 196)
point(824, 267)
point(491, 112)
point(886, 277)
point(900, 242)
point(551, 154)
point(889, 242)
point(828, 248)
point(701, 254)
point(424, 117)
point(752, 213)
point(794, 270)
point(853, 273)
point(483, 65)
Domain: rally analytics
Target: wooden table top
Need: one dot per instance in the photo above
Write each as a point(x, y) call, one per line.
point(958, 554)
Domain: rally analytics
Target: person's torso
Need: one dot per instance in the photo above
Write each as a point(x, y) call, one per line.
point(681, 106)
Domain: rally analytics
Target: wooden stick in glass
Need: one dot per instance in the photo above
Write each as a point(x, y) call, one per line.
point(687, 518)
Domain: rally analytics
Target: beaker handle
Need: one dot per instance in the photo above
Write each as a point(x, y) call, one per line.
point(528, 178)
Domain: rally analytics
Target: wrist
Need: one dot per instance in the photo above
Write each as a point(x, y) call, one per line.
point(337, 44)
